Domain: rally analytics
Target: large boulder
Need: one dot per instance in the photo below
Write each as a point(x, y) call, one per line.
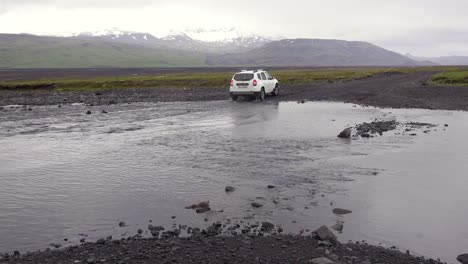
point(345, 133)
point(463, 258)
point(325, 234)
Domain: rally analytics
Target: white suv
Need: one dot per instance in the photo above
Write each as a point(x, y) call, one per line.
point(253, 83)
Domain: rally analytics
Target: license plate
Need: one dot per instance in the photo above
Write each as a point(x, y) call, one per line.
point(242, 84)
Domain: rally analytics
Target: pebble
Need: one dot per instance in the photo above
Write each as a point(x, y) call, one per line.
point(256, 205)
point(338, 227)
point(271, 187)
point(88, 112)
point(122, 224)
point(229, 189)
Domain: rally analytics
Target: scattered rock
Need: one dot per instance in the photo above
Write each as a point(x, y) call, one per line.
point(104, 112)
point(91, 260)
point(55, 245)
point(321, 261)
point(302, 101)
point(446, 125)
point(267, 227)
point(345, 133)
point(340, 211)
point(324, 233)
point(122, 224)
point(200, 208)
point(101, 241)
point(82, 240)
point(325, 243)
point(376, 127)
point(88, 112)
point(271, 187)
point(463, 258)
point(140, 231)
point(256, 205)
point(229, 189)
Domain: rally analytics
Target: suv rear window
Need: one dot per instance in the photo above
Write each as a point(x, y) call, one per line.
point(243, 77)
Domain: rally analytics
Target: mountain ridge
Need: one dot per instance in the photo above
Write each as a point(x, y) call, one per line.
point(133, 49)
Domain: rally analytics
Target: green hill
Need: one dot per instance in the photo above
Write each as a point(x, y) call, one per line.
point(28, 51)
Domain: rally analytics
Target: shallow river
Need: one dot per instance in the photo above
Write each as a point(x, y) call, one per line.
point(65, 173)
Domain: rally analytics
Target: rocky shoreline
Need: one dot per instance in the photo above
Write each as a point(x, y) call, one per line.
point(259, 243)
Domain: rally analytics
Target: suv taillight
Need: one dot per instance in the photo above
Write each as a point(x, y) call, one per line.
point(232, 82)
point(254, 82)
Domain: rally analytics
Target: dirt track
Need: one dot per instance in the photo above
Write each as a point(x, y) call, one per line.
point(384, 90)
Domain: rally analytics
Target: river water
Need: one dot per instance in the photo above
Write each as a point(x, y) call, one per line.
point(65, 173)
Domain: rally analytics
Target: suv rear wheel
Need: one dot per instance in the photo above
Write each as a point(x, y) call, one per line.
point(261, 95)
point(276, 90)
point(234, 97)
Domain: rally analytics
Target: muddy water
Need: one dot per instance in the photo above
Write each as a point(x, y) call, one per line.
point(65, 173)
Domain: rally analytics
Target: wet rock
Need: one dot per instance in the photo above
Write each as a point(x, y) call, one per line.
point(366, 135)
point(140, 231)
point(101, 241)
point(104, 112)
point(323, 233)
point(152, 228)
point(229, 189)
point(446, 125)
point(302, 101)
point(463, 258)
point(340, 211)
point(256, 205)
point(376, 127)
point(91, 260)
point(16, 253)
point(202, 210)
point(271, 187)
point(88, 112)
point(82, 240)
point(338, 226)
point(321, 261)
point(345, 133)
point(122, 224)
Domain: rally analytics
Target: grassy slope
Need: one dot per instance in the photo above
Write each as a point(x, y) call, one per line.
point(50, 52)
point(217, 79)
point(451, 78)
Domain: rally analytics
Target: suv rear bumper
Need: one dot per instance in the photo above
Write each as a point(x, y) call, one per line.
point(244, 91)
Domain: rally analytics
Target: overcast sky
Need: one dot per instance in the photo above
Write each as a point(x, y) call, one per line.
point(421, 27)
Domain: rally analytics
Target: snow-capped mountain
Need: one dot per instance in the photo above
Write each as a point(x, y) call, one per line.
point(202, 40)
point(120, 36)
point(226, 37)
